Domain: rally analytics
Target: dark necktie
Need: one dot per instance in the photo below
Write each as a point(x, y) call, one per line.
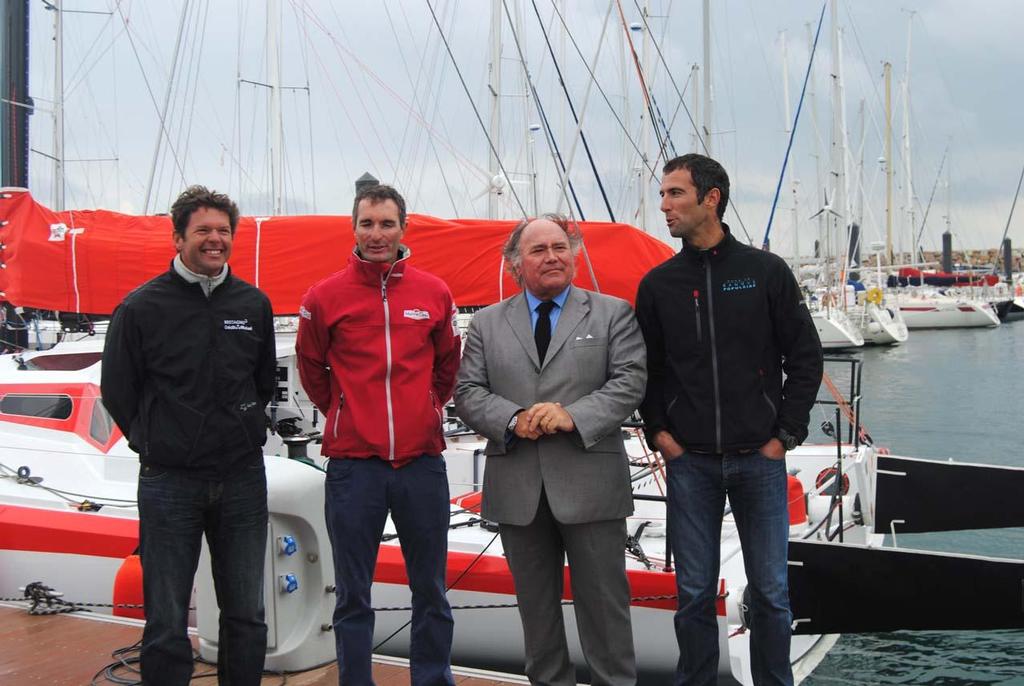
point(542, 332)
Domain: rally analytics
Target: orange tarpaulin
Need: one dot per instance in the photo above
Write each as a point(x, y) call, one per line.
point(87, 260)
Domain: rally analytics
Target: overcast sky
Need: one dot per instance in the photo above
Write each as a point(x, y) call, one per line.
point(385, 97)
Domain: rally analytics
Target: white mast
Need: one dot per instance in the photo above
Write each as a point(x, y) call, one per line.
point(58, 106)
point(812, 93)
point(794, 182)
point(695, 83)
point(887, 70)
point(274, 127)
point(645, 118)
point(494, 130)
point(908, 180)
point(161, 133)
point(837, 175)
point(707, 77)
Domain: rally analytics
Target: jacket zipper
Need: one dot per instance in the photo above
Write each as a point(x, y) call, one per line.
point(696, 314)
point(387, 376)
point(341, 403)
point(714, 356)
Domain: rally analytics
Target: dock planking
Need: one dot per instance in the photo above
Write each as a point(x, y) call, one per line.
point(71, 649)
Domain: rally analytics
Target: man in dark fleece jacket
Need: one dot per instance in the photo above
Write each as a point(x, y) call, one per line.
point(188, 367)
point(722, 321)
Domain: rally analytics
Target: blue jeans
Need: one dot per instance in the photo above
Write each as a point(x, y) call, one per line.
point(359, 495)
point(756, 486)
point(175, 510)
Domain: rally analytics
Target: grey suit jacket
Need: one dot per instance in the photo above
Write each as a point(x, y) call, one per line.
point(595, 367)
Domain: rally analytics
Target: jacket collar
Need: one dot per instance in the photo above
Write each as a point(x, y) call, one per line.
point(207, 284)
point(724, 247)
point(376, 272)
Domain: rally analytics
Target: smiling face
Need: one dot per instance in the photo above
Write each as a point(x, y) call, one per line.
point(206, 244)
point(546, 263)
point(685, 216)
point(378, 230)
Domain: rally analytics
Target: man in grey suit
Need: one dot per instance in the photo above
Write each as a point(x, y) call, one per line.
point(548, 376)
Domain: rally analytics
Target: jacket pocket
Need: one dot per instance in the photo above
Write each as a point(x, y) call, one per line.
point(252, 415)
point(173, 430)
point(591, 356)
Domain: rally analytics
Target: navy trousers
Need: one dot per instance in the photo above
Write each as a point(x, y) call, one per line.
point(359, 495)
point(175, 511)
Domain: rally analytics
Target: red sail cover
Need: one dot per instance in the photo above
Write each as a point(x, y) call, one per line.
point(87, 260)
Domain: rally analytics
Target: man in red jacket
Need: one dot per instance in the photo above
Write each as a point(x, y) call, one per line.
point(378, 351)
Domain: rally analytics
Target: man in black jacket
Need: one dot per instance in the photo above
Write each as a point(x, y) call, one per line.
point(722, 321)
point(188, 366)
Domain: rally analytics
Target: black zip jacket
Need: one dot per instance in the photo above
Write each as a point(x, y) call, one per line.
point(721, 325)
point(187, 377)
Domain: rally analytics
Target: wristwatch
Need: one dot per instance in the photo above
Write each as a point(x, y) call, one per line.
point(512, 422)
point(789, 441)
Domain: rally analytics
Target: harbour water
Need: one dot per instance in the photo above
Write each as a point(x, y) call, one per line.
point(943, 395)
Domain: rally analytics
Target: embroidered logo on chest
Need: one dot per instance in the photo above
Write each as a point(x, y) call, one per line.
point(416, 314)
point(744, 284)
point(237, 325)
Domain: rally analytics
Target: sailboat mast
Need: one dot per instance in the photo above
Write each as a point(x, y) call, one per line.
point(14, 87)
point(887, 70)
point(788, 130)
point(58, 106)
point(707, 77)
point(494, 128)
point(908, 178)
point(275, 131)
point(162, 132)
point(645, 126)
point(837, 175)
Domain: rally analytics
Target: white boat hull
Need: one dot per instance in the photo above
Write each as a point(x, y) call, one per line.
point(835, 330)
point(947, 313)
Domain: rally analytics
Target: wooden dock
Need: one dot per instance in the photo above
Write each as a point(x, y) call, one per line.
point(76, 648)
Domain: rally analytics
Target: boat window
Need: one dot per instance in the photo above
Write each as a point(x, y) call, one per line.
point(45, 406)
point(101, 424)
point(68, 362)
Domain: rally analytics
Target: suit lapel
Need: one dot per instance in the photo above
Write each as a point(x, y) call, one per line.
point(517, 314)
point(577, 305)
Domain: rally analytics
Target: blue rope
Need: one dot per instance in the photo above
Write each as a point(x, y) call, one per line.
point(792, 133)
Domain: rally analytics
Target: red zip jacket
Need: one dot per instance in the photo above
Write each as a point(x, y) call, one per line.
point(378, 350)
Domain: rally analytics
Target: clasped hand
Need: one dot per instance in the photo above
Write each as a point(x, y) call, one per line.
point(543, 418)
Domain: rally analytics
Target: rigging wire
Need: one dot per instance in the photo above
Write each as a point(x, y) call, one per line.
point(1013, 206)
point(792, 132)
point(476, 111)
point(417, 102)
point(309, 114)
point(661, 56)
point(572, 108)
point(384, 85)
point(149, 90)
point(611, 107)
point(370, 118)
point(640, 71)
point(928, 207)
point(549, 135)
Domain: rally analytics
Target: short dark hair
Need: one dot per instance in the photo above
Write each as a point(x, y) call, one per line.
point(375, 194)
point(706, 173)
point(510, 252)
point(194, 197)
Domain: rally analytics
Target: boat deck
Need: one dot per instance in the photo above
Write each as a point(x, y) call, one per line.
point(73, 649)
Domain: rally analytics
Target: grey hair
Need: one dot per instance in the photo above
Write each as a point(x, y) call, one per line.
point(514, 258)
